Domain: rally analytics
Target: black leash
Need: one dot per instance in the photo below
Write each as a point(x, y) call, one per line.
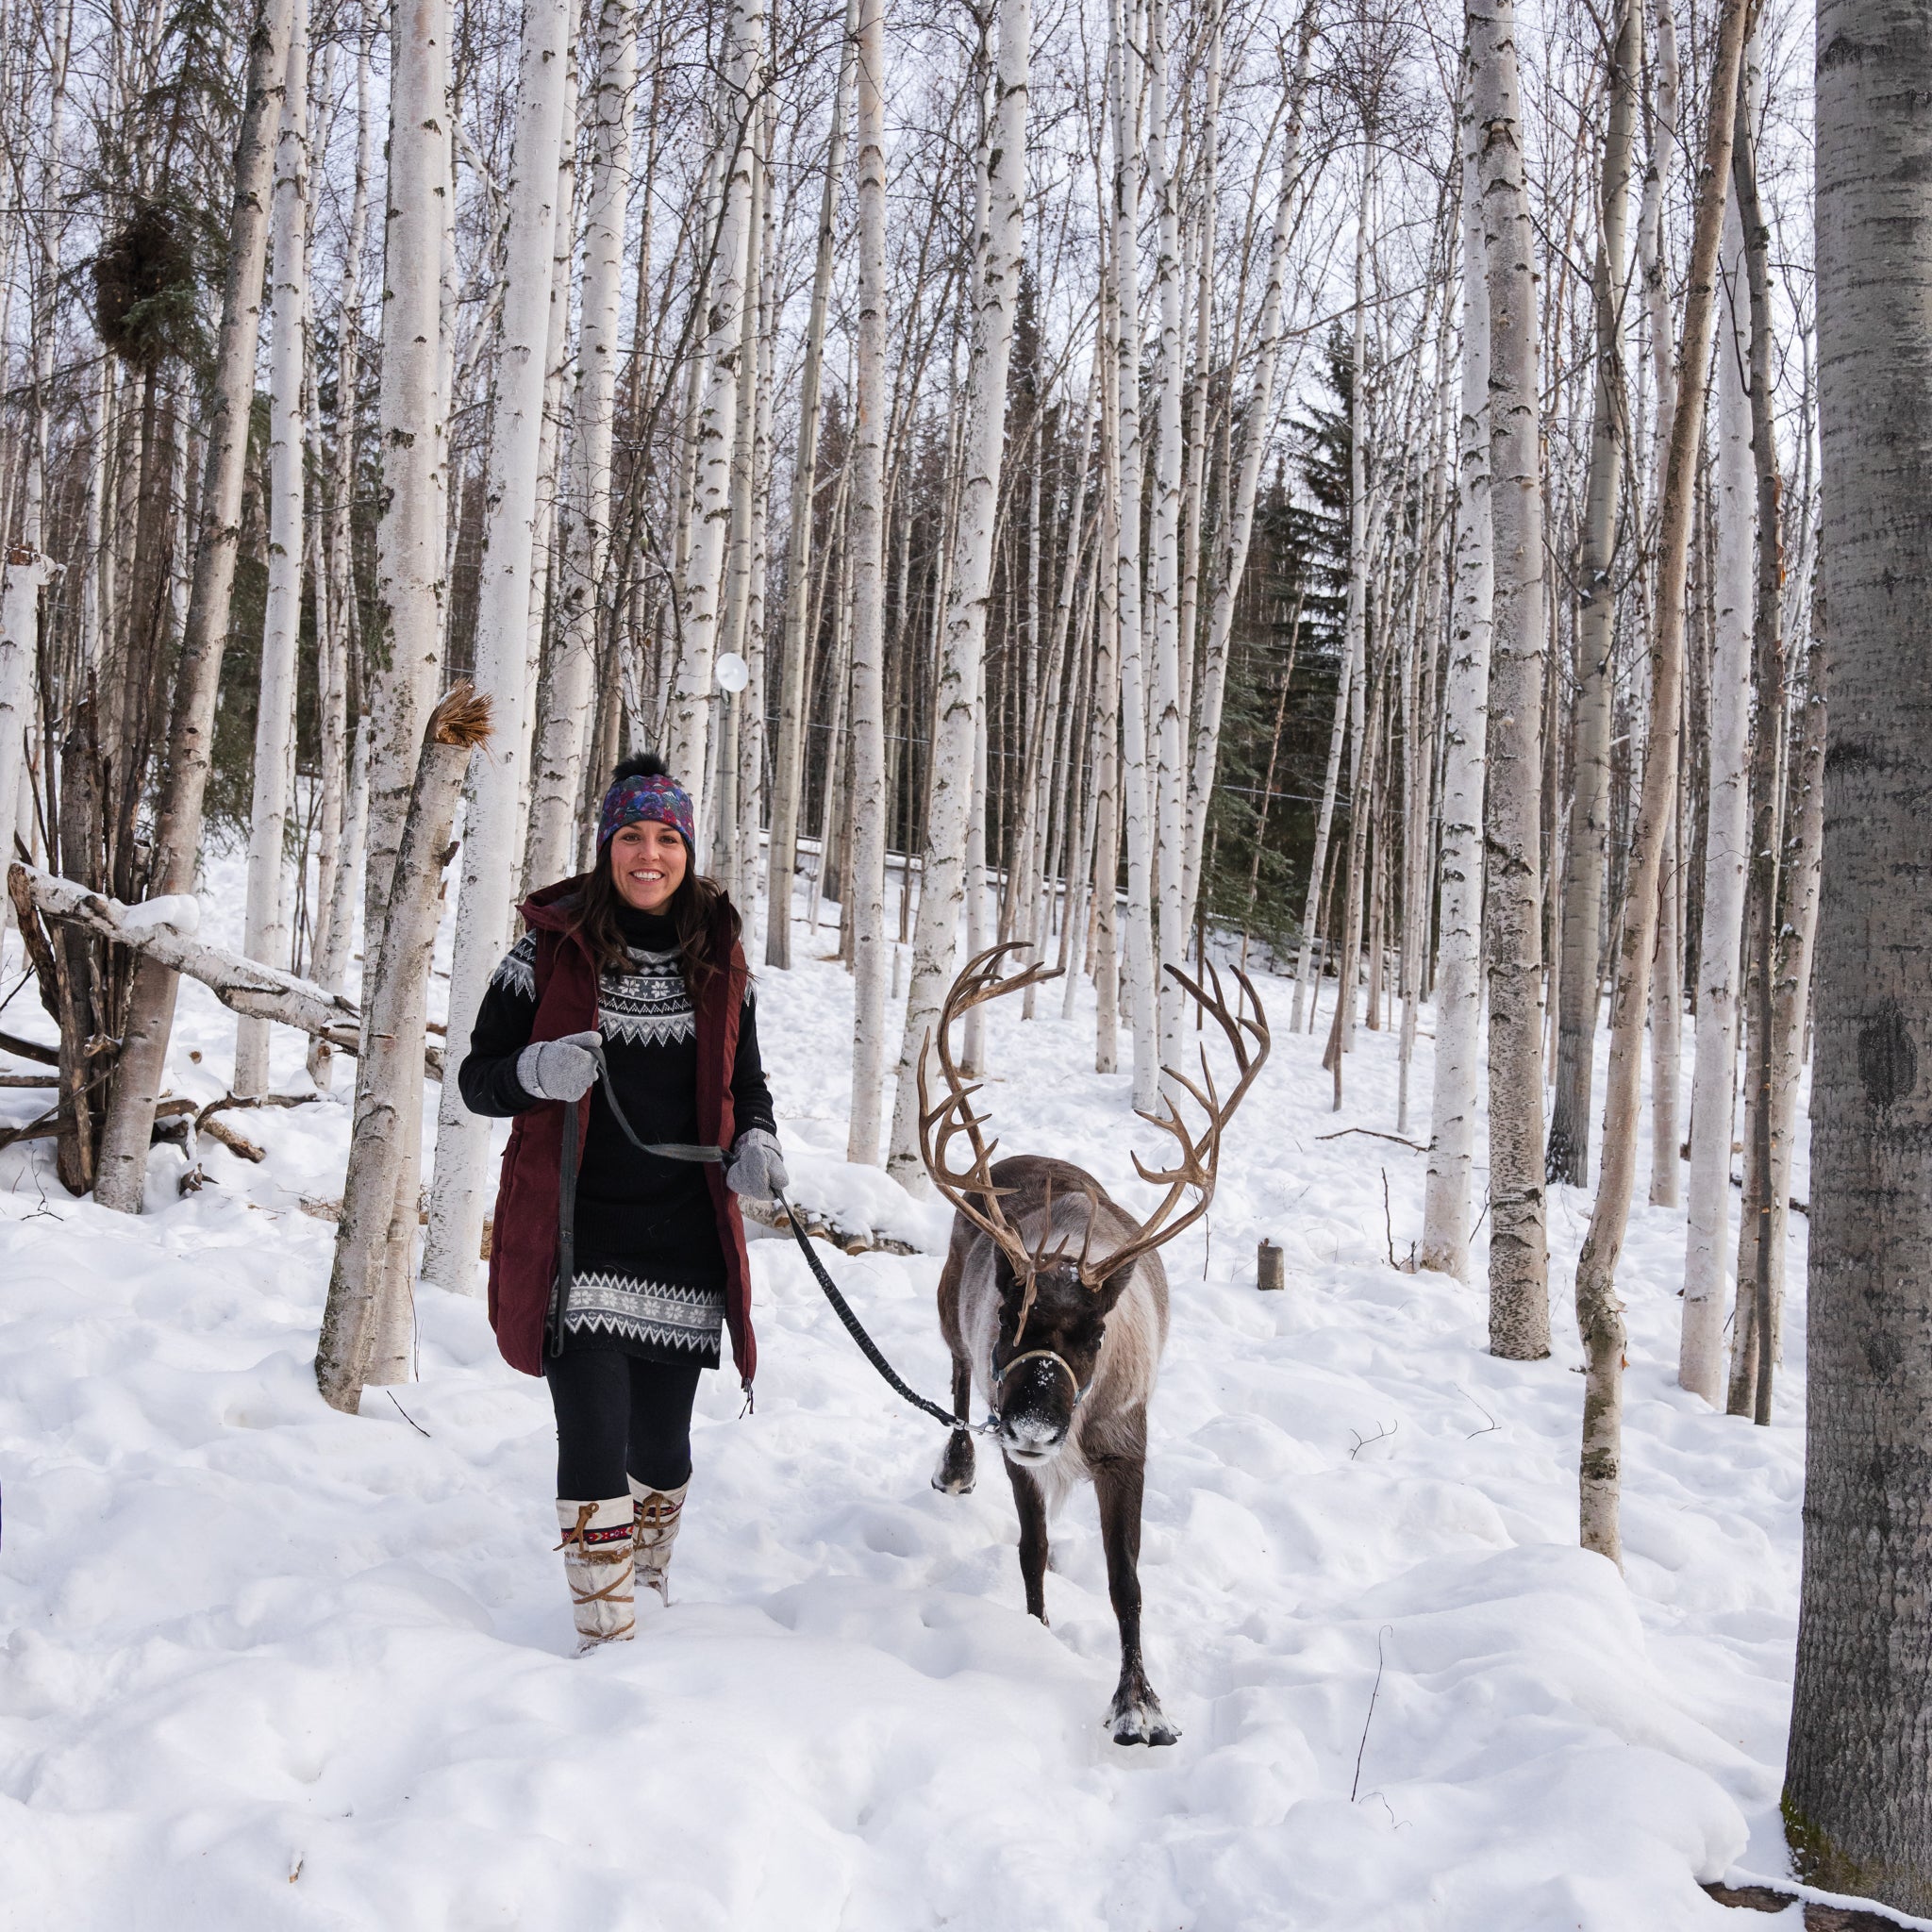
point(678, 1150)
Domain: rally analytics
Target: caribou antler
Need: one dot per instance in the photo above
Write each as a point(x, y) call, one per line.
point(954, 1117)
point(1200, 1156)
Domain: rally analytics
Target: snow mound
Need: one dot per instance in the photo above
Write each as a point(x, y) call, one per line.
point(864, 1202)
point(181, 910)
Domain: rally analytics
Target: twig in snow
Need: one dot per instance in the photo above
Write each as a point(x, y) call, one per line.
point(406, 1416)
point(1374, 1134)
point(1387, 1630)
point(1480, 1410)
point(1362, 1442)
point(17, 985)
point(1388, 1221)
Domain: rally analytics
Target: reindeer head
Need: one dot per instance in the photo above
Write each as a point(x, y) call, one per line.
point(1056, 1293)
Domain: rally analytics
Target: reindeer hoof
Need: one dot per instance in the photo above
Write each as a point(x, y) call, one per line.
point(954, 1475)
point(1138, 1719)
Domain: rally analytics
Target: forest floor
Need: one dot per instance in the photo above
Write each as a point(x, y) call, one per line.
point(267, 1665)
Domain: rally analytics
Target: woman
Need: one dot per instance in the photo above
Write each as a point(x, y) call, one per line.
point(636, 965)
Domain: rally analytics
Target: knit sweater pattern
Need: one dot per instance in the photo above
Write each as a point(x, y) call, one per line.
point(650, 1268)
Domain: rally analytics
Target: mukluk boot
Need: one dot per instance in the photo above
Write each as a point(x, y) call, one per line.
point(659, 1513)
point(597, 1562)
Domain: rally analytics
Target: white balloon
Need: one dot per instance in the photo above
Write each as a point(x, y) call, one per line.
point(732, 671)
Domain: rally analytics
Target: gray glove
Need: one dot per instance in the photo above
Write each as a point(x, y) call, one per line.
point(758, 1166)
point(558, 1069)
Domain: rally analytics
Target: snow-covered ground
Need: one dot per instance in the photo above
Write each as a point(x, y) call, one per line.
point(271, 1666)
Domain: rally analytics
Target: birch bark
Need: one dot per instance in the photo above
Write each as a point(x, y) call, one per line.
point(559, 774)
point(1599, 1315)
point(1459, 978)
point(996, 301)
point(1170, 829)
point(692, 697)
point(1857, 1796)
point(265, 920)
point(498, 766)
point(1141, 1011)
point(788, 768)
point(1728, 836)
point(866, 884)
point(1583, 871)
point(411, 560)
point(1518, 1254)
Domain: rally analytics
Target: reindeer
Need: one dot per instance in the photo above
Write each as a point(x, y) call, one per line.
point(1054, 1300)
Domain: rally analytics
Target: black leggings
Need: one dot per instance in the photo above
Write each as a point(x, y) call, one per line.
point(617, 1415)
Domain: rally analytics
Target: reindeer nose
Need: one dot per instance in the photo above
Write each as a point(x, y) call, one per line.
point(1032, 1434)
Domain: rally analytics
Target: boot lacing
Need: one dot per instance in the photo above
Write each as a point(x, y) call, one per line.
point(613, 1546)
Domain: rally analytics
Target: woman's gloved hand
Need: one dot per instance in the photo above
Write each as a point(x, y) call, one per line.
point(558, 1069)
point(758, 1166)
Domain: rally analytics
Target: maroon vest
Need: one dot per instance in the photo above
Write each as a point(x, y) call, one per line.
point(523, 1248)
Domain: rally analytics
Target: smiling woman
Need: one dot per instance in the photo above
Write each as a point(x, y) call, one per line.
point(632, 972)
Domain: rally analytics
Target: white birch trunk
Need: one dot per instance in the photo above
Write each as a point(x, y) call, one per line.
point(20, 608)
point(362, 1326)
point(348, 754)
point(556, 782)
point(1459, 978)
point(996, 303)
point(1141, 998)
point(409, 586)
point(1727, 842)
point(692, 697)
point(788, 771)
point(865, 889)
point(265, 918)
point(1170, 831)
point(1519, 1249)
point(503, 637)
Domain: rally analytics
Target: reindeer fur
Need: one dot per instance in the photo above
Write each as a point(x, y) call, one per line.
point(1105, 1438)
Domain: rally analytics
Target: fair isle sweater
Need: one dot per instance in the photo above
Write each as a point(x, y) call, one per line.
point(650, 1269)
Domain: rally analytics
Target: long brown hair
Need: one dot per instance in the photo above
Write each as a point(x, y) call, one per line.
point(704, 943)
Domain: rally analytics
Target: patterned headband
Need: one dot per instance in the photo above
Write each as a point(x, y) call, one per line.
point(631, 801)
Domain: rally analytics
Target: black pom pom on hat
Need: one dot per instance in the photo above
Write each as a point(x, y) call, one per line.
point(640, 764)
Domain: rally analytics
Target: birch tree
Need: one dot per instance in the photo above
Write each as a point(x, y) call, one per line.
point(1713, 1103)
point(1583, 872)
point(996, 299)
point(1599, 1315)
point(556, 780)
point(788, 771)
point(866, 886)
point(1857, 1796)
point(410, 587)
point(499, 765)
point(265, 923)
point(692, 695)
point(1518, 1255)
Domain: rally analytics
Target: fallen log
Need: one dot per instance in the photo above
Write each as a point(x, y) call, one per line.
point(244, 986)
point(30, 1050)
point(848, 1240)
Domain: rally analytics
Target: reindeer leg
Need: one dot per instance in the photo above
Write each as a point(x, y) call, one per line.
point(1032, 1507)
point(954, 1475)
point(1136, 1716)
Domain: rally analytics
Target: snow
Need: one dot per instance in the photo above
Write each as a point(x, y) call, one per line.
point(181, 910)
point(269, 1665)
